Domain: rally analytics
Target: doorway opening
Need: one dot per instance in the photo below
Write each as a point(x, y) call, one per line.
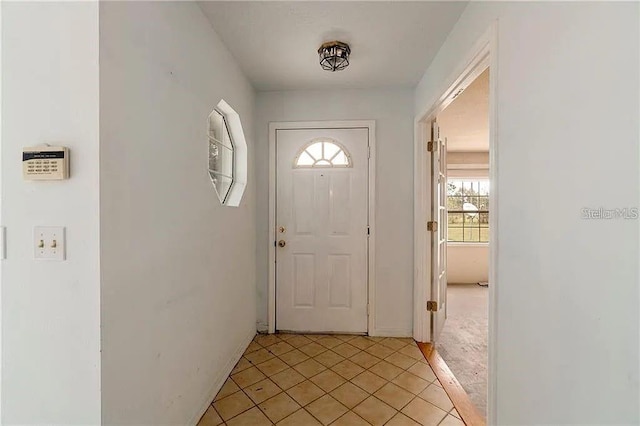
point(462, 341)
point(455, 221)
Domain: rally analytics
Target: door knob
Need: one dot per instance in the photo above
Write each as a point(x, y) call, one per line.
point(282, 243)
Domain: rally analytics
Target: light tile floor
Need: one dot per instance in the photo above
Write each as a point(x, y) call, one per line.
point(310, 380)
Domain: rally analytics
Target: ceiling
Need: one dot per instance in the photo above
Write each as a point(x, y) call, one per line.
point(465, 122)
point(276, 42)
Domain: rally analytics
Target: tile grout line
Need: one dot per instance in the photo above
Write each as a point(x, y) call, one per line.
point(242, 390)
point(302, 407)
point(467, 412)
point(267, 377)
point(326, 369)
point(396, 348)
point(394, 351)
point(281, 390)
point(369, 369)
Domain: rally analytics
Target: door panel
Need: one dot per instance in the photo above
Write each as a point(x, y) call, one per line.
point(439, 237)
point(303, 196)
point(339, 204)
point(303, 280)
point(322, 218)
point(339, 280)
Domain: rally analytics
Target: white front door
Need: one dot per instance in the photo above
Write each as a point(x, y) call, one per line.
point(322, 229)
point(439, 233)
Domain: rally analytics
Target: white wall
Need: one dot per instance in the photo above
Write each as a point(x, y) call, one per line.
point(50, 312)
point(467, 263)
point(392, 110)
point(178, 275)
point(567, 289)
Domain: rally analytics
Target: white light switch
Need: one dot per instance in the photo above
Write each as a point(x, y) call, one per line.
point(49, 242)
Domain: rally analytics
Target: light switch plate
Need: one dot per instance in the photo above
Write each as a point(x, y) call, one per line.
point(49, 243)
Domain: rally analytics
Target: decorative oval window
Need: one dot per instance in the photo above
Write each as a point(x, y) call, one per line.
point(323, 153)
point(220, 155)
point(227, 154)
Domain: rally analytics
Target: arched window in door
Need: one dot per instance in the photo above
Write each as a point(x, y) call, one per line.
point(321, 153)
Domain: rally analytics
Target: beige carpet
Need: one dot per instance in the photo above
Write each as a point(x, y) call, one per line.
point(463, 343)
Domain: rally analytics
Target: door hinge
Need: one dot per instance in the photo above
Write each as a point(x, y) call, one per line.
point(369, 151)
point(368, 230)
point(432, 306)
point(432, 146)
point(367, 309)
point(432, 226)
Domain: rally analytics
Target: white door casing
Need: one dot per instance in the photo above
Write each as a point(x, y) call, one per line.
point(483, 54)
point(321, 230)
point(439, 234)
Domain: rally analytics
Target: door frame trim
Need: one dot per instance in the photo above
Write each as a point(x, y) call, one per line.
point(370, 125)
point(484, 54)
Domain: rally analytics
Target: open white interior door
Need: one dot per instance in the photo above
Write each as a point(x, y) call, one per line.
point(438, 227)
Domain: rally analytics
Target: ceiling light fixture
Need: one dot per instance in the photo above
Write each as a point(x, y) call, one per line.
point(334, 55)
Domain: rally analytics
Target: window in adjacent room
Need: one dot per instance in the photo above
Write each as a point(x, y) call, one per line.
point(468, 210)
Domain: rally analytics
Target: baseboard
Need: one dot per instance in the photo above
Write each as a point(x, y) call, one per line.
point(262, 327)
point(390, 332)
point(219, 381)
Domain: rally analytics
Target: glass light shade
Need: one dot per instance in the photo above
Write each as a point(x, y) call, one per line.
point(334, 55)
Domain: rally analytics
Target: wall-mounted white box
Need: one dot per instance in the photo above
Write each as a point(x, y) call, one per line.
point(49, 243)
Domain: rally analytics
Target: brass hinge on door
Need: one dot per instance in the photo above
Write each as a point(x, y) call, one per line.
point(432, 146)
point(432, 226)
point(432, 306)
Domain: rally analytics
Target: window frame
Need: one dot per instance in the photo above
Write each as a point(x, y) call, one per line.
point(341, 149)
point(486, 211)
point(221, 146)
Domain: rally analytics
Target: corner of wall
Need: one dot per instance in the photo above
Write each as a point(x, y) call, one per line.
point(221, 378)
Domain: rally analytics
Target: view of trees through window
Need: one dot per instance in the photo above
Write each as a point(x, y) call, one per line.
point(468, 210)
